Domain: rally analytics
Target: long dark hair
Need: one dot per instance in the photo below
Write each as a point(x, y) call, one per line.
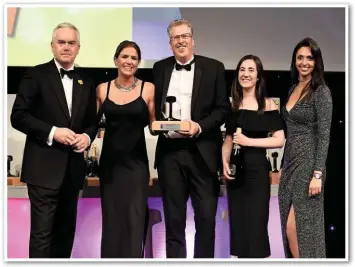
point(124, 44)
point(260, 88)
point(318, 71)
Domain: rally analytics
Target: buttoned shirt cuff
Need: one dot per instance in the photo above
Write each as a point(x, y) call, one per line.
point(50, 136)
point(199, 130)
point(88, 138)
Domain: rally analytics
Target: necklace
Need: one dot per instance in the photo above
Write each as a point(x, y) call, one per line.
point(128, 88)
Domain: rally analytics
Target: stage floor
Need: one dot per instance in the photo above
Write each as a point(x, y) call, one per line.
point(88, 234)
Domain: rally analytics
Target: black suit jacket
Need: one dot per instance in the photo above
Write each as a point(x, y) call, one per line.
point(41, 104)
point(210, 105)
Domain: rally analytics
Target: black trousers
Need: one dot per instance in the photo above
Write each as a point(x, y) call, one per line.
point(182, 174)
point(53, 219)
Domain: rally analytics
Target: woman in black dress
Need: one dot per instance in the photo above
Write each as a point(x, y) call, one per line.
point(128, 105)
point(248, 192)
point(308, 117)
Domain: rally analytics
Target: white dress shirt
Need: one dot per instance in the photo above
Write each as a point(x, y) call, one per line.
point(180, 86)
point(68, 90)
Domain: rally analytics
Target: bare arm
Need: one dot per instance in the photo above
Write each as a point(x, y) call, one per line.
point(149, 96)
point(227, 149)
point(150, 91)
point(276, 140)
point(100, 95)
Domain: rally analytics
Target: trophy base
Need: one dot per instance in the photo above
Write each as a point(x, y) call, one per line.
point(165, 126)
point(101, 133)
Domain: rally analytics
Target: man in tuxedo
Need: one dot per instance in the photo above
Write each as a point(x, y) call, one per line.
point(56, 108)
point(187, 162)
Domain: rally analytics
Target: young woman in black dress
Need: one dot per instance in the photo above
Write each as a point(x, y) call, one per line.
point(248, 192)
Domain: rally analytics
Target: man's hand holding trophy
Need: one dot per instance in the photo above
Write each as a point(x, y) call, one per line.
point(170, 123)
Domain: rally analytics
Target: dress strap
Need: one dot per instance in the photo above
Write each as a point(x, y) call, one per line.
point(142, 87)
point(108, 88)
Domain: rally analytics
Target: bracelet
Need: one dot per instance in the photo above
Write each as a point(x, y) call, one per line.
point(317, 176)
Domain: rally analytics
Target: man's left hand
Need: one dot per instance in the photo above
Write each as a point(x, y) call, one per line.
point(80, 143)
point(194, 129)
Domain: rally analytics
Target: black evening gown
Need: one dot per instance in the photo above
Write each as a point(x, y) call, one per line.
point(124, 178)
point(249, 194)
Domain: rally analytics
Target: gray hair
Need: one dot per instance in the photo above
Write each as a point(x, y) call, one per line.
point(66, 25)
point(179, 22)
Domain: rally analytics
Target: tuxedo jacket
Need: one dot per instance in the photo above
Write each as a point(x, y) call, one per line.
point(41, 104)
point(210, 105)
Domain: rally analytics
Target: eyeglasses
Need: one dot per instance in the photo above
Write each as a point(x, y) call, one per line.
point(184, 36)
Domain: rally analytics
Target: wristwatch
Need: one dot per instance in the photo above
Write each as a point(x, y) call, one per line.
point(317, 176)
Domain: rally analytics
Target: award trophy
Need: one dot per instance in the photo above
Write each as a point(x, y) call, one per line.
point(274, 155)
point(92, 163)
point(102, 126)
point(170, 123)
point(9, 159)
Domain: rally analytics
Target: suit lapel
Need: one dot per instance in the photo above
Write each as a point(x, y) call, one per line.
point(78, 87)
point(167, 76)
point(59, 89)
point(196, 84)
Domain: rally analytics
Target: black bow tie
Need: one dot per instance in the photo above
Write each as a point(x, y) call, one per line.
point(69, 73)
point(186, 67)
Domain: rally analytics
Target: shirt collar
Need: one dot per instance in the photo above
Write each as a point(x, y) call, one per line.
point(61, 67)
point(188, 62)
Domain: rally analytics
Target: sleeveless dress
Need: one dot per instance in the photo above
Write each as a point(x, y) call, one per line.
point(308, 128)
point(124, 178)
point(249, 194)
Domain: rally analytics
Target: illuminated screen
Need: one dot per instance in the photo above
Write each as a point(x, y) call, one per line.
point(226, 34)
